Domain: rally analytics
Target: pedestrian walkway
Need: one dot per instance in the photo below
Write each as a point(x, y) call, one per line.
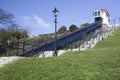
point(7, 60)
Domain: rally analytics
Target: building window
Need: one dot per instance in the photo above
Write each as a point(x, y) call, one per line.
point(98, 13)
point(95, 13)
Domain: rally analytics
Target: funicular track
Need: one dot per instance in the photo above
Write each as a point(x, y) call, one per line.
point(62, 40)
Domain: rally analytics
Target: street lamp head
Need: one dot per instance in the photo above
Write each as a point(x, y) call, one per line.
point(55, 11)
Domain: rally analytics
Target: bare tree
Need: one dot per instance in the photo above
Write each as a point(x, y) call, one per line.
point(5, 17)
point(10, 29)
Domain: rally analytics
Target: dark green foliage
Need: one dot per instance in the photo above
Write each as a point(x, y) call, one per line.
point(24, 34)
point(73, 28)
point(84, 25)
point(7, 35)
point(62, 29)
point(3, 35)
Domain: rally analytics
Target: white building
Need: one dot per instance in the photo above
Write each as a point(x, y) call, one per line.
point(102, 15)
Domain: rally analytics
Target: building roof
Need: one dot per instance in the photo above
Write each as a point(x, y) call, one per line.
point(104, 10)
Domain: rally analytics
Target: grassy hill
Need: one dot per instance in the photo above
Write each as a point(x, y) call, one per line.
point(99, 63)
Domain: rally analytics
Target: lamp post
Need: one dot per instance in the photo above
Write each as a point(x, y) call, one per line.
point(55, 12)
point(119, 20)
point(114, 21)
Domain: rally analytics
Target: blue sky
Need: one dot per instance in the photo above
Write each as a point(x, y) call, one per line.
point(36, 15)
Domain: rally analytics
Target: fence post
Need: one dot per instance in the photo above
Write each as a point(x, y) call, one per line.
point(71, 47)
point(23, 47)
point(79, 45)
point(5, 50)
point(17, 47)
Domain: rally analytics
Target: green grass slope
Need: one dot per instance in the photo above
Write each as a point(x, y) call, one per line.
point(99, 63)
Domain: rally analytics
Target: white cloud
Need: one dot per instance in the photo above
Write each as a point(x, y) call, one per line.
point(41, 22)
point(35, 24)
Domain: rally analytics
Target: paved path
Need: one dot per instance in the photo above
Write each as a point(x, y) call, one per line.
point(7, 60)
